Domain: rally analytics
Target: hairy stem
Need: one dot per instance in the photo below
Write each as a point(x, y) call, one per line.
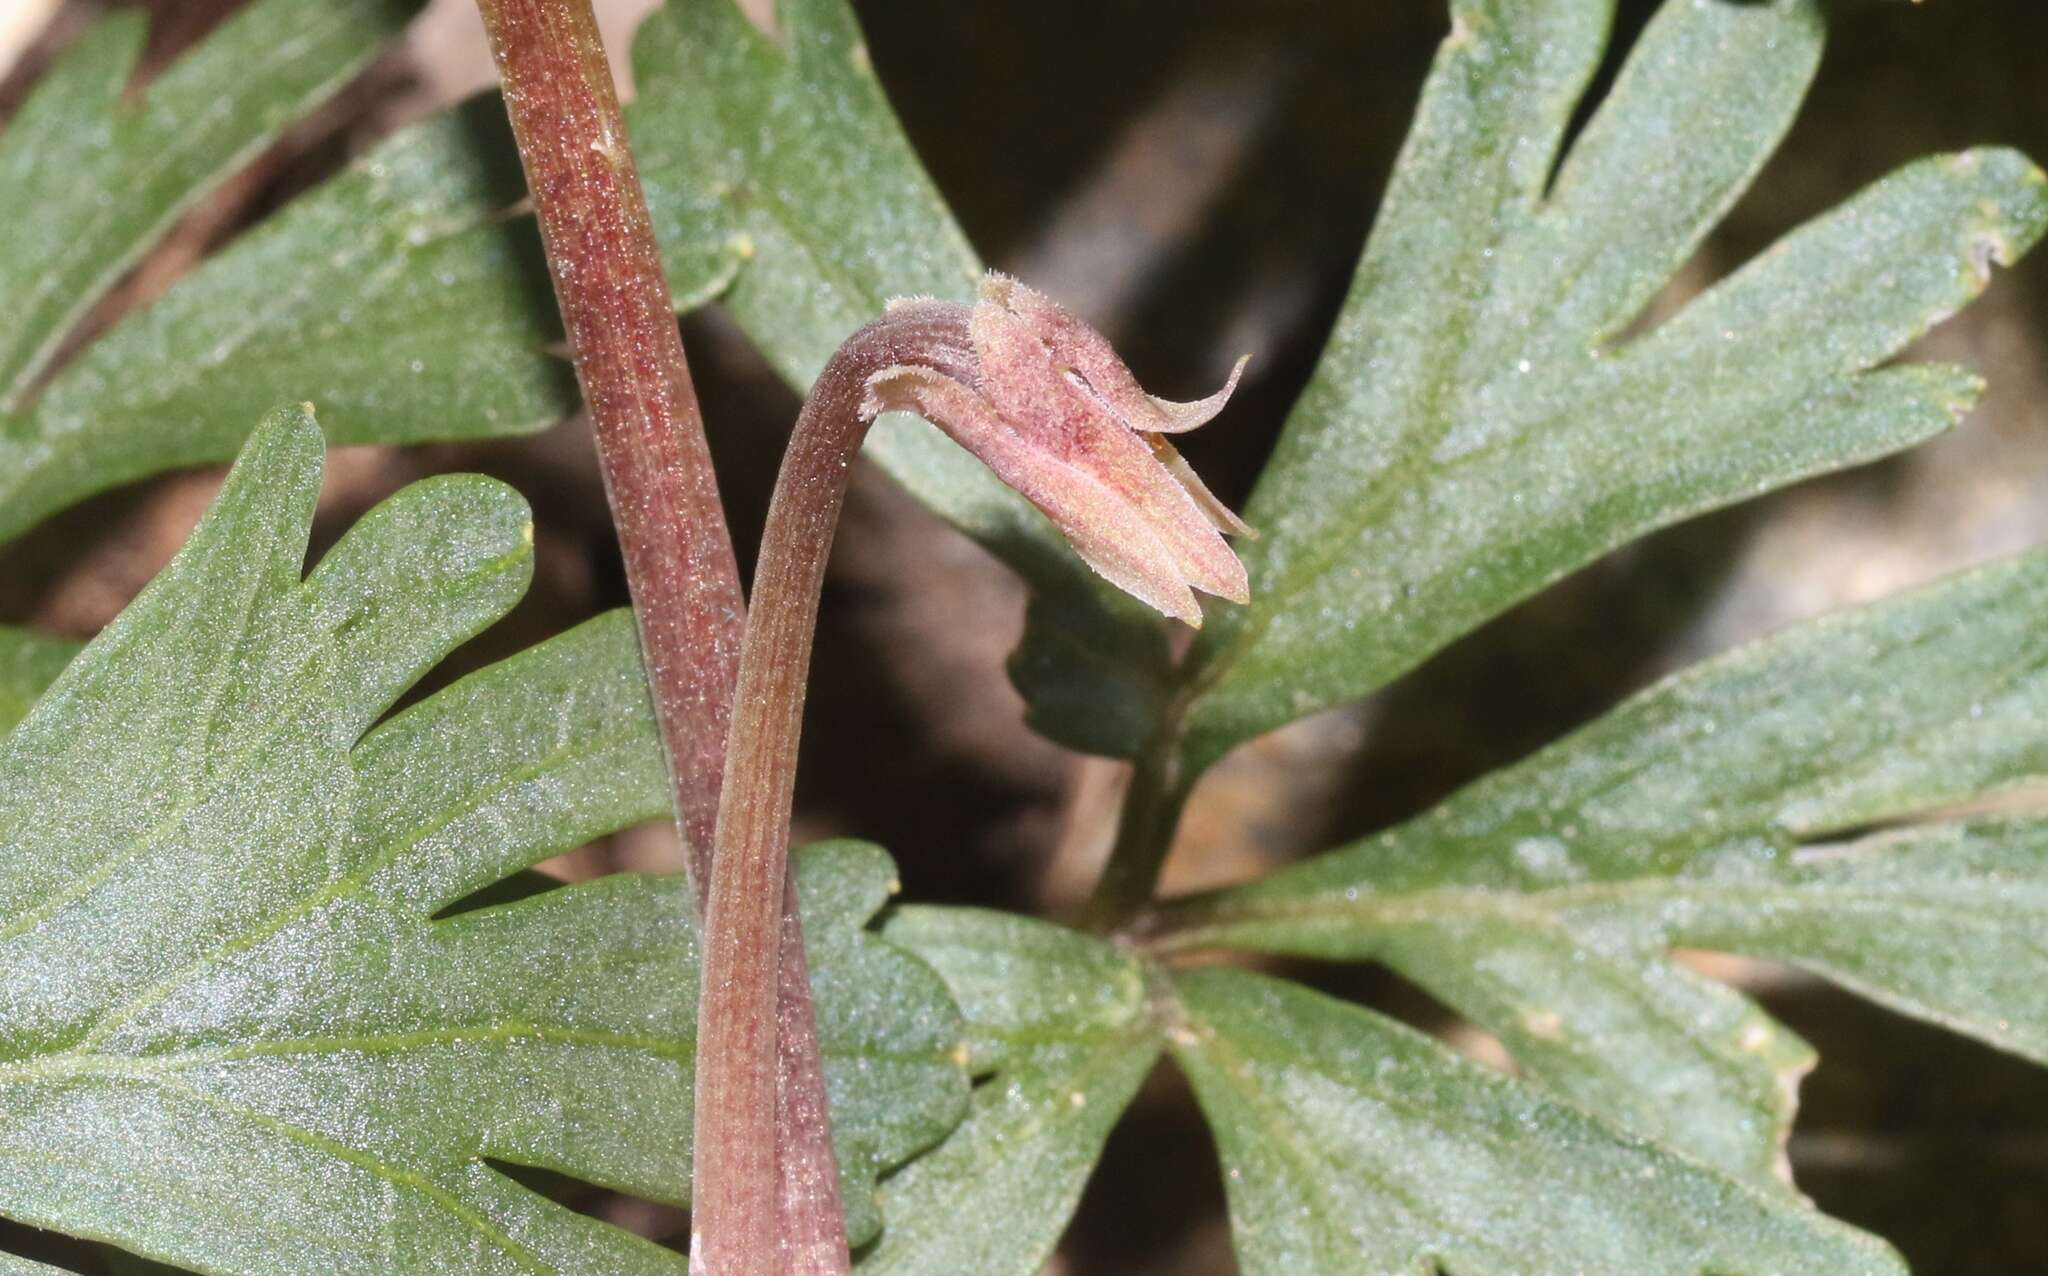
point(687, 602)
point(629, 359)
point(732, 1217)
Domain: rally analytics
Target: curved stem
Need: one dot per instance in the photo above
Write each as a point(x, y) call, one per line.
point(616, 306)
point(733, 1217)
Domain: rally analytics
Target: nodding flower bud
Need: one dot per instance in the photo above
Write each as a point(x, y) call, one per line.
point(1047, 404)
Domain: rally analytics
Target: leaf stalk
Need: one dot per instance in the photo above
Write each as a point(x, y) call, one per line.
point(1153, 803)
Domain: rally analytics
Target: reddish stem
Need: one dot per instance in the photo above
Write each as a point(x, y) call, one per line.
point(732, 1215)
point(629, 359)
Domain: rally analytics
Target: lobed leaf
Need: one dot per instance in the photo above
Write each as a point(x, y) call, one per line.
point(782, 153)
point(409, 306)
point(95, 174)
point(398, 296)
point(1481, 423)
point(234, 1035)
point(1728, 808)
point(1351, 1144)
point(1060, 1036)
point(1939, 922)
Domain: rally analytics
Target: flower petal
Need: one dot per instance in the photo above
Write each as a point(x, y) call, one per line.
point(1102, 374)
point(1219, 515)
point(1098, 520)
point(1126, 463)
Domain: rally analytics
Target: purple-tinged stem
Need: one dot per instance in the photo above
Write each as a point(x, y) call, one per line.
point(733, 1218)
point(629, 358)
point(687, 602)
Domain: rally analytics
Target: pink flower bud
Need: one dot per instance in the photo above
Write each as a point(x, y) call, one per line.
point(1049, 406)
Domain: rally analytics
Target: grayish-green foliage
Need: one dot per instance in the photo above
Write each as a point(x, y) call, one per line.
point(784, 153)
point(1060, 1033)
point(1482, 423)
point(93, 178)
point(1728, 808)
point(232, 1034)
point(1351, 1144)
point(28, 663)
point(395, 296)
point(236, 1031)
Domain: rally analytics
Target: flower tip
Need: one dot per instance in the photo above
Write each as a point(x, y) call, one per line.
point(996, 288)
point(1043, 400)
point(1176, 600)
point(1218, 515)
point(1179, 418)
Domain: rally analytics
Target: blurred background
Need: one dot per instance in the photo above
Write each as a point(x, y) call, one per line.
point(1196, 178)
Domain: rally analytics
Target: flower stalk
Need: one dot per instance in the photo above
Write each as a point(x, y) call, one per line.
point(732, 1222)
point(1043, 401)
point(629, 359)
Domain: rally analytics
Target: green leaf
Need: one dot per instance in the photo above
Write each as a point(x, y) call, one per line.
point(397, 297)
point(1060, 1034)
point(28, 663)
point(402, 300)
point(1726, 808)
point(891, 1034)
point(784, 153)
point(232, 1034)
point(1481, 422)
point(813, 179)
point(122, 1263)
point(1941, 923)
point(91, 178)
point(1353, 1145)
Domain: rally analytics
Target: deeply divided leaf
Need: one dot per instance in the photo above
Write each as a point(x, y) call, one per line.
point(397, 297)
point(783, 154)
point(1731, 807)
point(233, 1034)
point(1060, 1038)
point(94, 173)
point(1353, 1145)
point(1483, 422)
